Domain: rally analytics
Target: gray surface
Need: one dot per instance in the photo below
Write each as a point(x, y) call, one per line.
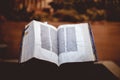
point(71, 39)
point(45, 41)
point(53, 34)
point(61, 40)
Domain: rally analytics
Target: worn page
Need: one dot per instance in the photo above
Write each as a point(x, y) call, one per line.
point(46, 42)
point(75, 44)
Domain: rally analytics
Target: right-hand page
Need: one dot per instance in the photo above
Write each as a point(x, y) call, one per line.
point(75, 43)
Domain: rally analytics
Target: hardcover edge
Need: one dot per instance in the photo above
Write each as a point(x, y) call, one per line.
point(93, 42)
point(21, 43)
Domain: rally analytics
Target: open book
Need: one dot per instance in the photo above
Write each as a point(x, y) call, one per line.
point(67, 43)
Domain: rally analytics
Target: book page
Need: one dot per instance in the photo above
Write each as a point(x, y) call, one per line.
point(46, 42)
point(27, 43)
point(75, 44)
point(39, 41)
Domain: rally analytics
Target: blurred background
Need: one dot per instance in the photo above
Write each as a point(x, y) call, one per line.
point(103, 15)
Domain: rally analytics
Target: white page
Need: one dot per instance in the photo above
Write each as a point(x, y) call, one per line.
point(32, 43)
point(28, 43)
point(77, 44)
point(44, 45)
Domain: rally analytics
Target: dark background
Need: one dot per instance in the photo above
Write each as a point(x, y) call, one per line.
point(103, 15)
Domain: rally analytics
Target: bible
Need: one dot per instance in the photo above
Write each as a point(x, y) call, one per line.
point(68, 43)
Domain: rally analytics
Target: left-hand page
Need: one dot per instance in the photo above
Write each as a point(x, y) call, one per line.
point(40, 41)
